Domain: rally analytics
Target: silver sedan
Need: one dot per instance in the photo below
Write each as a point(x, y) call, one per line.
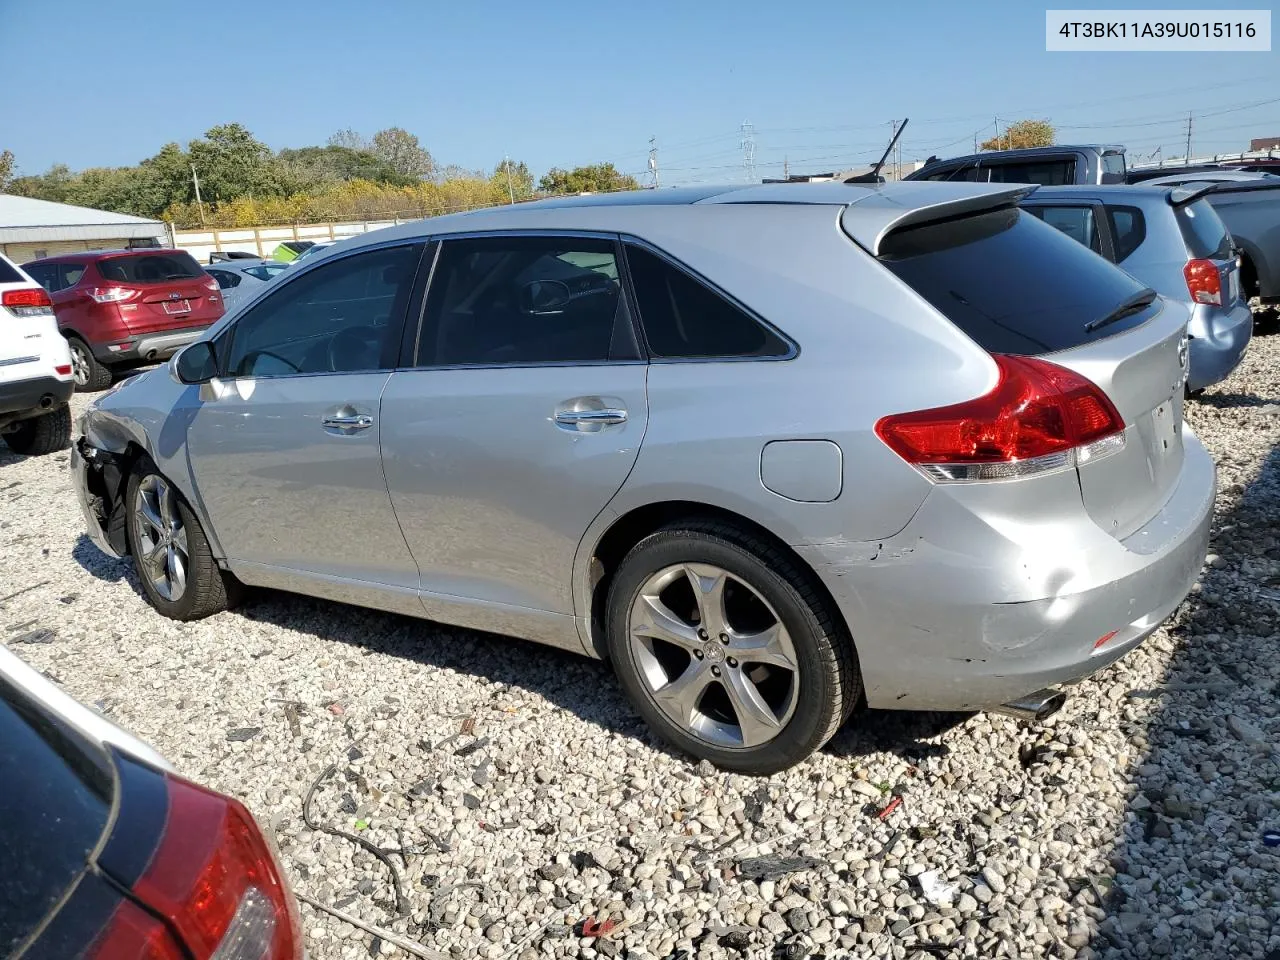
point(240, 279)
point(773, 451)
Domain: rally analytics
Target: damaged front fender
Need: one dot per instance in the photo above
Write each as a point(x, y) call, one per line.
point(99, 476)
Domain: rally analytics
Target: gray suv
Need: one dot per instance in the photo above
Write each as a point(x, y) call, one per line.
point(1047, 166)
point(772, 451)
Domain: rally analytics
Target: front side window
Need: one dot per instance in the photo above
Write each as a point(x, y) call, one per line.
point(339, 318)
point(1078, 223)
point(524, 300)
point(683, 318)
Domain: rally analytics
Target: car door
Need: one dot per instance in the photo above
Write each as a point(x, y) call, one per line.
point(518, 418)
point(284, 446)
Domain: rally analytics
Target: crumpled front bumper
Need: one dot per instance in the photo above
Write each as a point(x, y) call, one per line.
point(87, 464)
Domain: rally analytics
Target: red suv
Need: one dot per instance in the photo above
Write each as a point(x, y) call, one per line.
point(120, 308)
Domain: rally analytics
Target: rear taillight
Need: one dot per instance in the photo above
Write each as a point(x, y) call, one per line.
point(214, 879)
point(1204, 281)
point(27, 302)
point(133, 934)
point(111, 294)
point(1039, 417)
point(211, 284)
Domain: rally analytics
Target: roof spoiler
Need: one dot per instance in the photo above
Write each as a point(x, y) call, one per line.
point(870, 219)
point(1185, 193)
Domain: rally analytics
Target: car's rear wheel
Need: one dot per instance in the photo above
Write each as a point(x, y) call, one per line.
point(46, 433)
point(727, 647)
point(90, 375)
point(177, 570)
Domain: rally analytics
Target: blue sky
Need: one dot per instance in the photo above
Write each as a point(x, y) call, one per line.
point(564, 83)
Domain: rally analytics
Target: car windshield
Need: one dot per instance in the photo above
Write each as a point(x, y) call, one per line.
point(150, 268)
point(54, 806)
point(1011, 282)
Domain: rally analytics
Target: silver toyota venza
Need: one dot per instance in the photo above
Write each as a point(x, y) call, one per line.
point(773, 451)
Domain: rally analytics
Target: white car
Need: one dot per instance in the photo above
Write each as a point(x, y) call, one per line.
point(35, 367)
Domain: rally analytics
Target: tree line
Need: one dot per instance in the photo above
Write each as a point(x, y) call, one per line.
point(243, 182)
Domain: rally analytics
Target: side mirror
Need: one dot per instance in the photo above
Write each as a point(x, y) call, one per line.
point(539, 297)
point(197, 363)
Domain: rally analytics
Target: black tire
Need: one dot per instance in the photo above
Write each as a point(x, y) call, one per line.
point(208, 590)
point(40, 435)
point(97, 376)
point(830, 684)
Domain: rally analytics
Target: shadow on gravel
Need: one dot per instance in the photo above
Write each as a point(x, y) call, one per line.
point(1225, 401)
point(98, 564)
point(583, 686)
point(1193, 876)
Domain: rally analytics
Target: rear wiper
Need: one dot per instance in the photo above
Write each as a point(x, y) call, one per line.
point(1138, 302)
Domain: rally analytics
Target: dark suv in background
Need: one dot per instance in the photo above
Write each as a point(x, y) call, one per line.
point(120, 308)
point(1047, 166)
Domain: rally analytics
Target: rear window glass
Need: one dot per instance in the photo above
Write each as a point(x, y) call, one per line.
point(1012, 283)
point(1202, 228)
point(1129, 227)
point(53, 808)
point(150, 268)
point(10, 275)
point(1113, 168)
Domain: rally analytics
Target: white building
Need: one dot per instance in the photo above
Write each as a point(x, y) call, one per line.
point(30, 229)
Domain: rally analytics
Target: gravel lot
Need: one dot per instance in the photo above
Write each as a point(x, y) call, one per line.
point(517, 794)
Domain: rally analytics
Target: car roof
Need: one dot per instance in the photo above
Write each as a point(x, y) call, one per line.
point(1134, 193)
point(89, 256)
point(870, 210)
point(1029, 152)
point(240, 263)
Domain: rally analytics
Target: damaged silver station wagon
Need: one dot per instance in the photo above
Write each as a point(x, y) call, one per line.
point(773, 451)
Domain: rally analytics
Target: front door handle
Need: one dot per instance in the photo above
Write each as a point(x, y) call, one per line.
point(609, 415)
point(355, 421)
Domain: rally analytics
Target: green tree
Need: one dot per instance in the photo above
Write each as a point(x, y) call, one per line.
point(1022, 133)
point(596, 178)
point(401, 151)
point(6, 170)
point(232, 163)
point(308, 167)
point(350, 139)
point(50, 185)
point(512, 178)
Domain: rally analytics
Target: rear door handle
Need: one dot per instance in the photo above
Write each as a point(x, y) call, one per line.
point(360, 421)
point(609, 415)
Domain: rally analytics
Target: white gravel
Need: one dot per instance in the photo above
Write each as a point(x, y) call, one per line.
point(526, 795)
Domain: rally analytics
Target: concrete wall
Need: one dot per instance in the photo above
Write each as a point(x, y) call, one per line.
point(264, 240)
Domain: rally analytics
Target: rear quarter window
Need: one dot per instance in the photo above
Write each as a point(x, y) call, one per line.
point(1128, 228)
point(1012, 283)
point(1113, 168)
point(1203, 230)
point(150, 268)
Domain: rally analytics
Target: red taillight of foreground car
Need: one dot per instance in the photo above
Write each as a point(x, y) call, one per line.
point(134, 934)
point(214, 880)
point(1039, 417)
point(111, 294)
point(1204, 282)
point(27, 297)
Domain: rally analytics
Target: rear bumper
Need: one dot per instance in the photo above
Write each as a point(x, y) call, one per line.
point(148, 346)
point(1219, 339)
point(964, 612)
point(22, 398)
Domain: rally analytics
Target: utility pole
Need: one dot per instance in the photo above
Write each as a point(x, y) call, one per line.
point(653, 161)
point(786, 168)
point(997, 133)
point(511, 193)
point(1187, 156)
point(199, 203)
point(748, 145)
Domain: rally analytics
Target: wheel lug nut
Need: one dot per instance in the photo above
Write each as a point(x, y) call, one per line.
point(724, 638)
point(715, 671)
point(732, 662)
point(699, 654)
point(702, 634)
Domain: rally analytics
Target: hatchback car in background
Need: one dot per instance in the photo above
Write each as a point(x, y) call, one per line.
point(35, 368)
point(771, 450)
point(108, 855)
point(1092, 163)
point(1171, 239)
point(239, 279)
point(121, 308)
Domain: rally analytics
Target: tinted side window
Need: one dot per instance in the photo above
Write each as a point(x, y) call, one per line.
point(226, 279)
point(1012, 283)
point(684, 318)
point(41, 273)
point(1047, 173)
point(9, 275)
point(1078, 223)
point(970, 173)
point(520, 300)
point(338, 318)
point(1129, 228)
point(69, 274)
point(1113, 168)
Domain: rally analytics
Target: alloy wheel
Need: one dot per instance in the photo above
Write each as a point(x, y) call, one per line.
point(714, 655)
point(79, 364)
point(161, 537)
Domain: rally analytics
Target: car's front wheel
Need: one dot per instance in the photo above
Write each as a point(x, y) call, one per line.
point(177, 570)
point(40, 435)
point(728, 649)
